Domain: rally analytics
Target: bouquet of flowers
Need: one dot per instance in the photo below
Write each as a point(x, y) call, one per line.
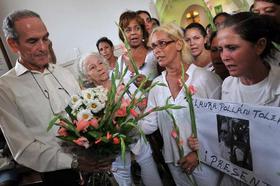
point(106, 120)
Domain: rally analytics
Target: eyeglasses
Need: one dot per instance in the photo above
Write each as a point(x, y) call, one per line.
point(161, 44)
point(46, 92)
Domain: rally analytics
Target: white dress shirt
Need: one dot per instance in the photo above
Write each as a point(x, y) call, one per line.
point(28, 100)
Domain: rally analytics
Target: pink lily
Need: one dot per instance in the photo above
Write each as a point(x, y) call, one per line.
point(116, 140)
point(174, 134)
point(108, 136)
point(133, 113)
point(94, 123)
point(62, 131)
point(98, 141)
point(121, 112)
point(192, 89)
point(82, 125)
point(82, 141)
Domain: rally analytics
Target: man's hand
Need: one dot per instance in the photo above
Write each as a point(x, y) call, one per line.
point(189, 162)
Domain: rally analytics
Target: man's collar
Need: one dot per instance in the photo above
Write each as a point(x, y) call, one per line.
point(20, 69)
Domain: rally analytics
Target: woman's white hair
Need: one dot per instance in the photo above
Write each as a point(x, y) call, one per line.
point(82, 70)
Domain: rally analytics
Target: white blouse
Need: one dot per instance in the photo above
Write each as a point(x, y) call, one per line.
point(207, 84)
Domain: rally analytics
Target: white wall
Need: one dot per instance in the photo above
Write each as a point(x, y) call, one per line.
point(76, 25)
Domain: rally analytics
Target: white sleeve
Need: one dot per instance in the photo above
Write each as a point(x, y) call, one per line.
point(25, 147)
point(213, 86)
point(149, 124)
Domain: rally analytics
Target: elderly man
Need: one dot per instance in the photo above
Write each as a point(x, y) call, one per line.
point(30, 94)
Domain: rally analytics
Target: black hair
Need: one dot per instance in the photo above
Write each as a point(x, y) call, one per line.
point(104, 39)
point(252, 27)
point(271, 1)
point(197, 26)
point(212, 36)
point(223, 14)
point(143, 12)
point(156, 20)
point(208, 26)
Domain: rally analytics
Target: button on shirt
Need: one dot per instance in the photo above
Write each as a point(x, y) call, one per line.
point(28, 100)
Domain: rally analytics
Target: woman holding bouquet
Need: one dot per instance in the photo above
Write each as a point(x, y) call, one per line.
point(95, 69)
point(172, 52)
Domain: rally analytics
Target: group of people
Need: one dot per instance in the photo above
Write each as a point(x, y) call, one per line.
point(241, 65)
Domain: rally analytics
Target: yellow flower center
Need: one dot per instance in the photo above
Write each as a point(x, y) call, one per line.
point(93, 105)
point(88, 96)
point(74, 99)
point(85, 116)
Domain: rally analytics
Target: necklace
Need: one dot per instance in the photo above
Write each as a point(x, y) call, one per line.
point(46, 92)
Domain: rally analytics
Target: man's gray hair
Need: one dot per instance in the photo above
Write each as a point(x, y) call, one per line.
point(9, 22)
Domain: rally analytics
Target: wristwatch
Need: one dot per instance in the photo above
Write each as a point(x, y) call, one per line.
point(75, 163)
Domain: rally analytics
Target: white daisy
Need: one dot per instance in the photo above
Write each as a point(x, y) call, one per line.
point(84, 114)
point(77, 105)
point(99, 89)
point(74, 99)
point(102, 97)
point(95, 106)
point(87, 94)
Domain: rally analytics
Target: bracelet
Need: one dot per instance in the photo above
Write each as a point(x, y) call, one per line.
point(75, 163)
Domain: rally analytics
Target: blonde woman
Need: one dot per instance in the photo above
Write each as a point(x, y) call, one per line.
point(171, 50)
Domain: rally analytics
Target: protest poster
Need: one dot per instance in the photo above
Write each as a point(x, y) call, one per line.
point(241, 140)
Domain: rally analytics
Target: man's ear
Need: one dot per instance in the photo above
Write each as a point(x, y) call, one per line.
point(13, 44)
point(260, 45)
point(179, 45)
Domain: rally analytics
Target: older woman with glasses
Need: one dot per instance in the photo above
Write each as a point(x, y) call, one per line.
point(172, 52)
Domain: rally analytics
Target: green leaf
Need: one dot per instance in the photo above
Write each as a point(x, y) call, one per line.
point(68, 109)
point(162, 84)
point(53, 122)
point(67, 138)
point(104, 139)
point(70, 126)
point(114, 135)
point(94, 134)
point(123, 149)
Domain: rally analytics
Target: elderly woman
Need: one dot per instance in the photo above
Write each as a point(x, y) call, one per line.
point(252, 79)
point(172, 51)
point(95, 69)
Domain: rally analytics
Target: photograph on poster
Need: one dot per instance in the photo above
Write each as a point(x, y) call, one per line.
point(234, 141)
